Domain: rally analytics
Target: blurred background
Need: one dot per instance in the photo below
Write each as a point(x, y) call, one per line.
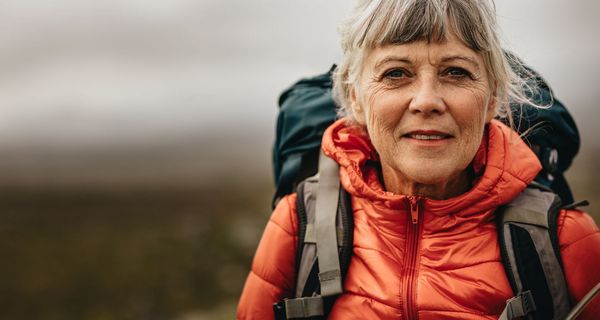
point(135, 174)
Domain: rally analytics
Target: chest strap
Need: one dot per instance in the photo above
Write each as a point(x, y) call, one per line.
point(301, 308)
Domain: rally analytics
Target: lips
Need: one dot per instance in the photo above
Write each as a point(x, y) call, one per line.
point(427, 135)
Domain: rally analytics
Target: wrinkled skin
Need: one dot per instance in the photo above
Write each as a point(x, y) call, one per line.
point(433, 89)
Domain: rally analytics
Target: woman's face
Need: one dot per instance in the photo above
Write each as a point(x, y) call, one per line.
point(425, 106)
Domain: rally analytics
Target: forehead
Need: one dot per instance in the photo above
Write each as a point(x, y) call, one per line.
point(423, 51)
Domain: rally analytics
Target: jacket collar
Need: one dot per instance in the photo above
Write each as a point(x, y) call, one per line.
point(503, 166)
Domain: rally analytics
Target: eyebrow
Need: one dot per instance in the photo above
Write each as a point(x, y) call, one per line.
point(392, 59)
point(468, 60)
point(446, 59)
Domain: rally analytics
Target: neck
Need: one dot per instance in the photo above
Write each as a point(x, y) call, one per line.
point(398, 183)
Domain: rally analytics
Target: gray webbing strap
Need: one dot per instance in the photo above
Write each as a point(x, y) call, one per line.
point(330, 275)
point(303, 307)
point(518, 306)
point(529, 211)
point(534, 199)
point(311, 237)
point(527, 216)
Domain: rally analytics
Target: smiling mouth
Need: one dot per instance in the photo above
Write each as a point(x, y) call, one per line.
point(427, 135)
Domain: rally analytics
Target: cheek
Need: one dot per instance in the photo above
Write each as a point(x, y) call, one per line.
point(470, 108)
point(384, 112)
point(471, 118)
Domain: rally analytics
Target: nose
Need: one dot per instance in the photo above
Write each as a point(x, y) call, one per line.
point(427, 98)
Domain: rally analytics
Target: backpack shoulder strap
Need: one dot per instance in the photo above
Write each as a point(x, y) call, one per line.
point(324, 243)
point(527, 234)
point(330, 274)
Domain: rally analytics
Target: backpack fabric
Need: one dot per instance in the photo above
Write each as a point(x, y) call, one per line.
point(307, 108)
point(527, 237)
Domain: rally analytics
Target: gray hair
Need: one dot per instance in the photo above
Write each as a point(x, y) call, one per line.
point(375, 23)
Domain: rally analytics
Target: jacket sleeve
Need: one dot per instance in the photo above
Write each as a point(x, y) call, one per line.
point(579, 241)
point(272, 274)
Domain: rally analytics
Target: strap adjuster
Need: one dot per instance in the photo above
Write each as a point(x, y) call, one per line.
point(303, 307)
point(519, 306)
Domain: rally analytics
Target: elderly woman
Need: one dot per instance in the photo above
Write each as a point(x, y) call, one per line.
point(426, 166)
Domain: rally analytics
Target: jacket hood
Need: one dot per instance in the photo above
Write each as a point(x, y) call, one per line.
point(504, 165)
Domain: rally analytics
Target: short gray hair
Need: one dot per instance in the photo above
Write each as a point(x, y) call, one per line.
point(375, 23)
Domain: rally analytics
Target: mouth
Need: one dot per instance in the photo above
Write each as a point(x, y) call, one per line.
point(427, 135)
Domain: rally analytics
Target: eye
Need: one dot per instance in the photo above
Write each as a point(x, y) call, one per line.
point(396, 73)
point(457, 72)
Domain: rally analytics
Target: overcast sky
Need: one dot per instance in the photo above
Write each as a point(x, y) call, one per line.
point(121, 71)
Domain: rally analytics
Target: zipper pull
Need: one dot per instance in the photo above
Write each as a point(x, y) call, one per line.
point(414, 209)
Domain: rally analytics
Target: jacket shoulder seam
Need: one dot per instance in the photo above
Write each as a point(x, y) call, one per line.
point(562, 217)
point(264, 279)
point(580, 239)
point(281, 227)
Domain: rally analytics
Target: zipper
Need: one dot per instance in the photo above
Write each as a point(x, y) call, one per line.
point(414, 209)
point(413, 235)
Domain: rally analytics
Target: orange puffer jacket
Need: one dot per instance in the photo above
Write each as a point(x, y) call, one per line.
point(447, 265)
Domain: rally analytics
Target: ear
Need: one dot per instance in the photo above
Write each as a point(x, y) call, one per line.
point(491, 107)
point(357, 110)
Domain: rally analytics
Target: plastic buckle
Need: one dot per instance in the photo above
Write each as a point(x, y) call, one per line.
point(279, 310)
point(528, 302)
